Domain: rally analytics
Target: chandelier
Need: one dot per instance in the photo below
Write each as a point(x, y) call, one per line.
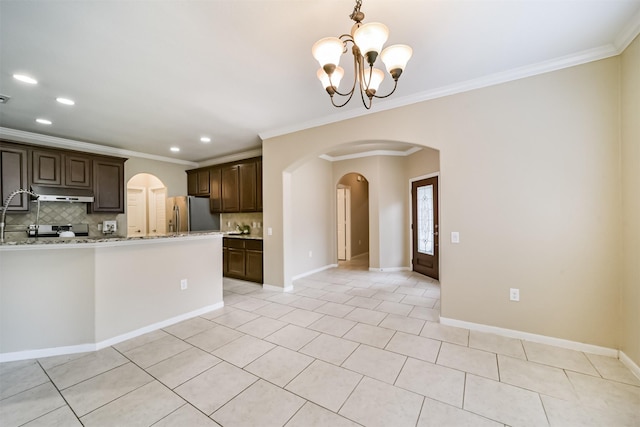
point(368, 40)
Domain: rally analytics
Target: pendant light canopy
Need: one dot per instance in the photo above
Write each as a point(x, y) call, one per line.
point(368, 41)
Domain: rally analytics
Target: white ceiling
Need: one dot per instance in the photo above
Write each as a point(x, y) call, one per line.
point(148, 75)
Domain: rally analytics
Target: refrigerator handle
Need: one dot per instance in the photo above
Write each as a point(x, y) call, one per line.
point(176, 218)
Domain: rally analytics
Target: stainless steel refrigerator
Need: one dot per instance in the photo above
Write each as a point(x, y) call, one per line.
point(190, 214)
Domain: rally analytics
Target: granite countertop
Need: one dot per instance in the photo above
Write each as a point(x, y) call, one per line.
point(102, 239)
point(234, 235)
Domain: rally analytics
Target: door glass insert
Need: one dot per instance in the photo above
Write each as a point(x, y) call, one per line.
point(425, 219)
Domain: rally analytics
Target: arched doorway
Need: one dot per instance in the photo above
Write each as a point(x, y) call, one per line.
point(352, 219)
point(146, 206)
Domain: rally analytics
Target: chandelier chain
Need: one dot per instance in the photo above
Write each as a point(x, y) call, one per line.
point(356, 15)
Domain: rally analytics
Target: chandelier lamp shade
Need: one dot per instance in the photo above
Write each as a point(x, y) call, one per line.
point(367, 44)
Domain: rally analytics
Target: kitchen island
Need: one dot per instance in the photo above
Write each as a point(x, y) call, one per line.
point(81, 294)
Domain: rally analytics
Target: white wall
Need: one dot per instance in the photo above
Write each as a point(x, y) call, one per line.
point(172, 175)
point(46, 298)
point(392, 207)
point(630, 292)
point(313, 219)
point(139, 285)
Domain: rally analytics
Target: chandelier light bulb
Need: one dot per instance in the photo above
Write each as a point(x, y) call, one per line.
point(376, 79)
point(395, 58)
point(370, 38)
point(335, 77)
point(328, 51)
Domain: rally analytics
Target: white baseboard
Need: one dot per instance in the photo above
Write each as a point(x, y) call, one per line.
point(46, 352)
point(83, 348)
point(626, 360)
point(158, 325)
point(541, 339)
point(390, 269)
point(274, 288)
point(317, 270)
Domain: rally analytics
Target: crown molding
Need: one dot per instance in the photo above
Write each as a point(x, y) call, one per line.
point(628, 33)
point(54, 141)
point(371, 153)
point(596, 54)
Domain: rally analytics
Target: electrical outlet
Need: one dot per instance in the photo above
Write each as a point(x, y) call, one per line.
point(183, 284)
point(514, 294)
point(310, 254)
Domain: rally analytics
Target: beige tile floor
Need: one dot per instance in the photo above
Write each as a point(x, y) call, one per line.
point(347, 347)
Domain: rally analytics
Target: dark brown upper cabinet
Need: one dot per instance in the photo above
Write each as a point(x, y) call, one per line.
point(198, 182)
point(77, 171)
point(231, 187)
point(108, 185)
point(247, 187)
point(46, 167)
point(23, 165)
point(14, 176)
point(60, 169)
point(259, 184)
point(230, 190)
point(215, 190)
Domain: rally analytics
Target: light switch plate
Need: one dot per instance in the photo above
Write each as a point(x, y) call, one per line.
point(455, 237)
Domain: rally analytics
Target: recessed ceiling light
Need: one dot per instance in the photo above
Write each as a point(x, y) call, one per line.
point(205, 139)
point(65, 101)
point(44, 121)
point(25, 79)
point(175, 149)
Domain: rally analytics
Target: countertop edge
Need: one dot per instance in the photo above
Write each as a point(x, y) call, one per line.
point(110, 242)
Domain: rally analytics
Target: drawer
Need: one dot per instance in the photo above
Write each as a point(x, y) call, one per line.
point(254, 245)
point(233, 243)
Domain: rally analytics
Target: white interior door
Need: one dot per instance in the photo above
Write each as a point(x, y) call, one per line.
point(136, 212)
point(343, 203)
point(157, 211)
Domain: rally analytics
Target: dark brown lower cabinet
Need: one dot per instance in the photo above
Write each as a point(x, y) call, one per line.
point(242, 259)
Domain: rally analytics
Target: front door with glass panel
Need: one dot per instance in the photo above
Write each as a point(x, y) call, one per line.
point(425, 258)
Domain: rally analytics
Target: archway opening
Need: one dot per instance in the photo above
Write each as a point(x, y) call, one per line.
point(146, 206)
point(352, 221)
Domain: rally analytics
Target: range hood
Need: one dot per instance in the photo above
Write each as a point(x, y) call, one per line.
point(56, 194)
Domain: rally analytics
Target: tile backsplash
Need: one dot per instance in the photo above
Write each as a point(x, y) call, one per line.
point(59, 213)
point(229, 221)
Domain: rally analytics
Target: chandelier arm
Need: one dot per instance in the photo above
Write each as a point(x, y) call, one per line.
point(368, 107)
point(395, 85)
point(345, 102)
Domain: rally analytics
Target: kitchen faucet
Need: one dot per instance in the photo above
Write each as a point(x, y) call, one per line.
point(6, 206)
